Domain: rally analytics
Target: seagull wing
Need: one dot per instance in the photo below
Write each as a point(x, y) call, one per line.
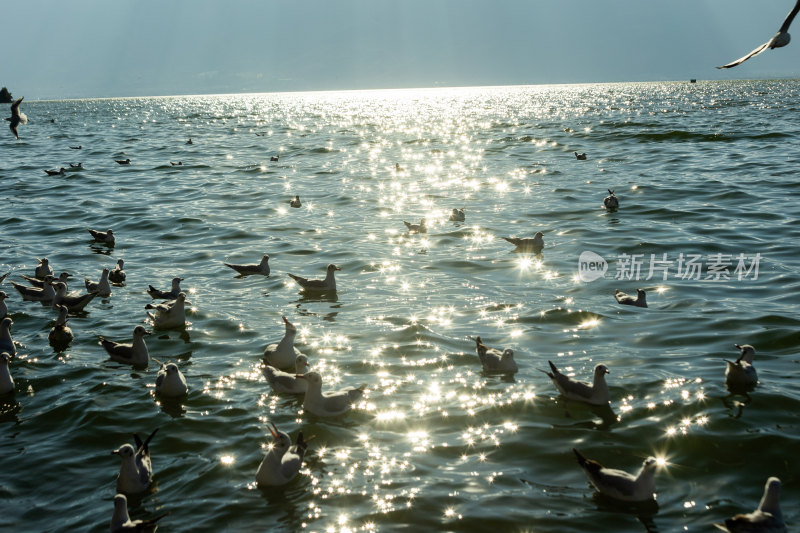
point(748, 56)
point(15, 105)
point(786, 23)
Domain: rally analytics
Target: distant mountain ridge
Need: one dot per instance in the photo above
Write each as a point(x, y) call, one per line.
point(5, 96)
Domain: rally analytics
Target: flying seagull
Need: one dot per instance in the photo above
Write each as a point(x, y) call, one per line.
point(778, 40)
point(17, 117)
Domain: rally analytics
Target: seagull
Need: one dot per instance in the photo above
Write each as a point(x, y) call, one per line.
point(611, 201)
point(37, 294)
point(283, 354)
point(3, 306)
point(741, 374)
point(767, 518)
point(123, 161)
point(17, 117)
point(594, 394)
point(117, 274)
point(6, 342)
point(43, 269)
point(189, 141)
point(580, 157)
point(76, 147)
point(106, 237)
point(523, 244)
point(618, 484)
point(134, 354)
point(327, 284)
point(625, 299)
point(274, 158)
point(398, 168)
point(79, 165)
point(422, 227)
point(493, 360)
point(169, 315)
point(458, 215)
point(61, 172)
point(246, 270)
point(778, 40)
point(295, 202)
point(73, 303)
point(170, 381)
point(136, 471)
point(121, 521)
point(102, 288)
point(6, 381)
point(283, 461)
point(63, 277)
point(61, 334)
point(285, 382)
point(176, 163)
point(166, 295)
point(321, 403)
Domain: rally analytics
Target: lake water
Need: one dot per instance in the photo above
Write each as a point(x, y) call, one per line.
point(707, 171)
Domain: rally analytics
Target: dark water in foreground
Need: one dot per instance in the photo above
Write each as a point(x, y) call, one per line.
point(702, 169)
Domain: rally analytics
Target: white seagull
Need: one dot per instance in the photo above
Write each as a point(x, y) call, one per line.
point(6, 381)
point(778, 40)
point(37, 294)
point(121, 521)
point(170, 381)
point(494, 360)
point(6, 342)
point(324, 404)
point(535, 244)
point(283, 354)
point(319, 285)
point(102, 287)
point(571, 389)
point(626, 299)
point(17, 117)
point(422, 227)
point(618, 484)
point(169, 315)
point(741, 374)
point(767, 518)
point(136, 470)
point(134, 354)
point(61, 334)
point(286, 382)
point(458, 215)
point(283, 461)
point(166, 295)
point(117, 274)
point(106, 237)
point(36, 282)
point(43, 269)
point(261, 268)
point(73, 303)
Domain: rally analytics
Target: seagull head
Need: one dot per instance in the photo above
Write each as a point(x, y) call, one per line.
point(125, 451)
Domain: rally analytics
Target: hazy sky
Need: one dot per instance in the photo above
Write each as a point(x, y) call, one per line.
point(95, 48)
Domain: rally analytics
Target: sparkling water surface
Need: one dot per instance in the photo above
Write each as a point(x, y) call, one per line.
point(437, 445)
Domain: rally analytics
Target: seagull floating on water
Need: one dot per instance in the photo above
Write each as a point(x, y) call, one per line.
point(319, 285)
point(326, 404)
point(458, 215)
point(61, 335)
point(63, 277)
point(283, 461)
point(261, 268)
point(45, 293)
point(6, 381)
point(422, 227)
point(494, 360)
point(6, 342)
point(73, 303)
point(79, 165)
point(618, 484)
point(123, 161)
point(136, 471)
point(121, 521)
point(169, 315)
point(102, 287)
point(283, 354)
point(60, 172)
point(295, 202)
point(528, 244)
point(741, 374)
point(135, 354)
point(571, 389)
point(43, 269)
point(778, 40)
point(170, 381)
point(626, 299)
point(611, 201)
point(274, 158)
point(17, 117)
point(581, 157)
point(166, 295)
point(767, 518)
point(286, 382)
point(117, 274)
point(76, 147)
point(106, 237)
